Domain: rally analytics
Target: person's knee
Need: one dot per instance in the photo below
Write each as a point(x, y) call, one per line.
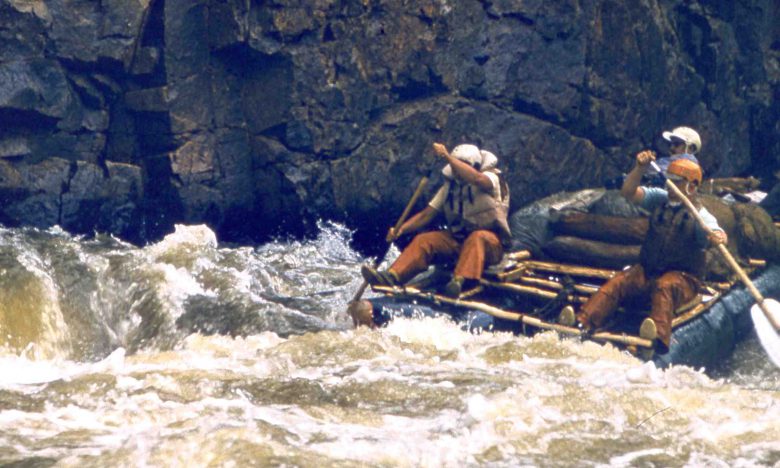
point(667, 282)
point(481, 238)
point(485, 236)
point(425, 240)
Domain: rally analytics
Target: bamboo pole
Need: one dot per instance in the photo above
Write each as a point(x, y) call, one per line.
point(519, 288)
point(519, 255)
point(622, 339)
point(510, 275)
point(574, 270)
point(488, 309)
point(472, 292)
point(694, 312)
point(515, 316)
point(556, 285)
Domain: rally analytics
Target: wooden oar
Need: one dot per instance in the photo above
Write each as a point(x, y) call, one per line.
point(404, 215)
point(768, 325)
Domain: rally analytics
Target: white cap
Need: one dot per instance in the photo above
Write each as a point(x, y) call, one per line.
point(687, 135)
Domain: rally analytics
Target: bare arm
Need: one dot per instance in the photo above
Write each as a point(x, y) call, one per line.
point(415, 223)
point(463, 171)
point(631, 189)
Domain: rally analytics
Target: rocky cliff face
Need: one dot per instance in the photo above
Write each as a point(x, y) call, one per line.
point(259, 117)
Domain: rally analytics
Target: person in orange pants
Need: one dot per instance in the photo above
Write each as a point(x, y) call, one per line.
point(672, 257)
point(475, 202)
point(666, 292)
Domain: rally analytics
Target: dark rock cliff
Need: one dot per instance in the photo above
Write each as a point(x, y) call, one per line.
point(259, 117)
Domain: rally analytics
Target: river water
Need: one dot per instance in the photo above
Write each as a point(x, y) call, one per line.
point(190, 353)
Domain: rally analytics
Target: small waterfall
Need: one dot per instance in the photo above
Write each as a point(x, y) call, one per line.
point(77, 298)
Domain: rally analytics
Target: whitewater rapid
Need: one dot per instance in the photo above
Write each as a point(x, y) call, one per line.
point(189, 353)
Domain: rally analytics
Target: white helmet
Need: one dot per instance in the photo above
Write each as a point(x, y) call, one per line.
point(687, 135)
point(469, 154)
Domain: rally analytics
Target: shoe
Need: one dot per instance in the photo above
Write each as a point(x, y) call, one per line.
point(648, 330)
point(376, 277)
point(567, 317)
point(454, 287)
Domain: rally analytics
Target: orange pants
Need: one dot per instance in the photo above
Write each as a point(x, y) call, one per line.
point(480, 249)
point(665, 293)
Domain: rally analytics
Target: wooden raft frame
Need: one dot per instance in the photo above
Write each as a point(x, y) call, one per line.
point(519, 268)
point(525, 319)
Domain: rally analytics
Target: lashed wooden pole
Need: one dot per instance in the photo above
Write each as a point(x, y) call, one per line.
point(516, 316)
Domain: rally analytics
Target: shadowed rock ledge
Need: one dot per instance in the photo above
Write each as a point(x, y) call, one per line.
point(259, 117)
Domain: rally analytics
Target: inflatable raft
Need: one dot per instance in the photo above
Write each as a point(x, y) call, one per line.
point(567, 246)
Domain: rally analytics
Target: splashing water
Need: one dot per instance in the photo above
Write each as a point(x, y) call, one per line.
point(188, 353)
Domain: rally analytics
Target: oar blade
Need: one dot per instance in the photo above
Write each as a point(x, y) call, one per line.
point(770, 339)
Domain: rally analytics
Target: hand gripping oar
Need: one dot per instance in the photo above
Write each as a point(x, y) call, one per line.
point(404, 215)
point(767, 324)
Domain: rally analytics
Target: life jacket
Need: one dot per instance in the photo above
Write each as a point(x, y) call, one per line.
point(467, 209)
point(671, 243)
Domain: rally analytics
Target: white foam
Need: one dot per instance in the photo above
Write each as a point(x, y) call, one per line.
point(199, 236)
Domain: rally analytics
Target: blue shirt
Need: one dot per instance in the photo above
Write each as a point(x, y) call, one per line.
point(663, 163)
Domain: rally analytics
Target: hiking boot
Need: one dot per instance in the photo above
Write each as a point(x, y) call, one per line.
point(376, 277)
point(567, 317)
point(454, 287)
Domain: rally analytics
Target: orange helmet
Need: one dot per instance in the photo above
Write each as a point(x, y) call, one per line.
point(686, 169)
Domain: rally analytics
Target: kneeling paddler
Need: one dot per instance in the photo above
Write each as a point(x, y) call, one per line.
point(475, 203)
point(672, 257)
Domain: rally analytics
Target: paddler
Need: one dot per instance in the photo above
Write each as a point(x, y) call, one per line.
point(672, 256)
point(475, 201)
point(683, 143)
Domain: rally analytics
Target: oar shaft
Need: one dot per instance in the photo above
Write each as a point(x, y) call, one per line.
point(725, 252)
point(398, 224)
point(410, 205)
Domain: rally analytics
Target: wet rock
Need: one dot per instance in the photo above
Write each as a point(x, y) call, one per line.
point(34, 92)
point(77, 196)
point(95, 32)
point(147, 100)
point(260, 118)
